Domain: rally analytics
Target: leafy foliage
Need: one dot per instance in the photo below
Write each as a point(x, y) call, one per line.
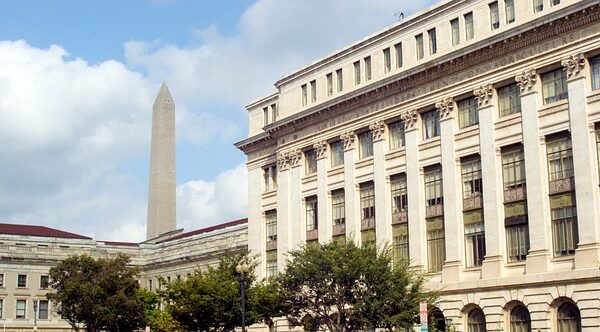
point(97, 294)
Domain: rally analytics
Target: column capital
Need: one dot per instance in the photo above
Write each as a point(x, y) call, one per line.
point(591, 127)
point(348, 138)
point(283, 162)
point(377, 129)
point(574, 65)
point(294, 157)
point(484, 94)
point(410, 119)
point(445, 107)
point(526, 80)
point(320, 148)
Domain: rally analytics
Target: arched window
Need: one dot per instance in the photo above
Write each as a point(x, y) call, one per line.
point(520, 321)
point(436, 319)
point(476, 321)
point(568, 318)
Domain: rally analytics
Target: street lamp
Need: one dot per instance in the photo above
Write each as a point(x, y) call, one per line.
point(242, 269)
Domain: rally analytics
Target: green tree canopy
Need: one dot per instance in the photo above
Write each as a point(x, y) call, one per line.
point(97, 294)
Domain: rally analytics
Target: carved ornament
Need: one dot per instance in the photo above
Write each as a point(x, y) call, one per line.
point(294, 157)
point(377, 129)
point(445, 107)
point(348, 139)
point(282, 161)
point(320, 148)
point(484, 94)
point(574, 64)
point(410, 118)
point(526, 80)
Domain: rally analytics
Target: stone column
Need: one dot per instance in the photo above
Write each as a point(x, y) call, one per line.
point(416, 202)
point(297, 227)
point(538, 209)
point(283, 208)
point(256, 219)
point(324, 221)
point(452, 189)
point(351, 204)
point(491, 173)
point(585, 164)
point(383, 225)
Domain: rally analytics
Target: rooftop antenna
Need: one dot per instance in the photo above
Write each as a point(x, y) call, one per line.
point(399, 15)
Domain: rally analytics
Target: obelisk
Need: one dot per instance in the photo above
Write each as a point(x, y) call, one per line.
point(161, 191)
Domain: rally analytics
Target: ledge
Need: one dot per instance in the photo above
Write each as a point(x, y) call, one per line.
point(430, 143)
point(368, 161)
point(508, 120)
point(555, 107)
point(336, 170)
point(396, 153)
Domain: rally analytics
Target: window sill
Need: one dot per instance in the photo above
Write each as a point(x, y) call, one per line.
point(269, 194)
point(515, 264)
point(430, 142)
point(508, 120)
point(339, 169)
point(594, 96)
point(560, 259)
point(364, 162)
point(472, 269)
point(309, 178)
point(554, 107)
point(396, 153)
point(467, 132)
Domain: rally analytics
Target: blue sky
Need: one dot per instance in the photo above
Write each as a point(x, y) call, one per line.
point(77, 82)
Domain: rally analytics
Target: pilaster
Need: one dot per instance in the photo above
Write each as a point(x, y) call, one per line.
point(297, 226)
point(383, 226)
point(351, 204)
point(324, 222)
point(283, 208)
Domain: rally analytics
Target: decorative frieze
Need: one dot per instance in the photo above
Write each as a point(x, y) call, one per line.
point(320, 148)
point(574, 64)
point(526, 80)
point(484, 94)
point(377, 129)
point(294, 157)
point(445, 107)
point(410, 119)
point(348, 139)
point(282, 161)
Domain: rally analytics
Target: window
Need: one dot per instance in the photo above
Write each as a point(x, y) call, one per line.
point(398, 48)
point(20, 312)
point(554, 2)
point(469, 29)
point(400, 241)
point(432, 41)
point(312, 221)
point(150, 284)
point(1, 279)
point(340, 80)
point(455, 32)
point(338, 205)
point(329, 78)
point(564, 224)
point(274, 112)
point(476, 321)
point(357, 73)
point(517, 231)
point(433, 186)
point(396, 134)
point(271, 223)
point(44, 281)
point(367, 238)
point(554, 86)
point(513, 167)
point(471, 177)
point(467, 113)
point(494, 16)
point(509, 101)
point(311, 161)
point(436, 251)
point(367, 68)
point(337, 153)
point(271, 263)
point(520, 320)
point(595, 66)
point(366, 144)
point(431, 124)
point(387, 60)
point(399, 193)
point(419, 46)
point(598, 144)
point(22, 280)
point(538, 6)
point(474, 237)
point(560, 158)
point(42, 309)
point(304, 95)
point(568, 318)
point(265, 116)
point(270, 177)
point(313, 91)
point(1, 308)
point(509, 6)
point(367, 200)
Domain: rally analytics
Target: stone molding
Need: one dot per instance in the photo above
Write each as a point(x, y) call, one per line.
point(320, 148)
point(294, 157)
point(377, 129)
point(526, 80)
point(445, 107)
point(348, 139)
point(410, 119)
point(574, 65)
point(484, 94)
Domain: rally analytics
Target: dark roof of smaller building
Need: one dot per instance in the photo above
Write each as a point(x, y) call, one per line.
point(43, 231)
point(119, 243)
point(207, 229)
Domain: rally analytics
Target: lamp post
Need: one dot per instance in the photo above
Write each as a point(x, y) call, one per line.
point(242, 269)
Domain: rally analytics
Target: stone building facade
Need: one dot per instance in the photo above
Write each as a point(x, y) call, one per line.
point(467, 138)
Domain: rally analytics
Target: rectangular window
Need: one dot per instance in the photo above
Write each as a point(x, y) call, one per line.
point(22, 280)
point(474, 238)
point(434, 194)
point(270, 177)
point(400, 241)
point(150, 284)
point(304, 95)
point(338, 206)
point(471, 177)
point(494, 15)
point(44, 281)
point(1, 279)
point(560, 158)
point(265, 116)
point(509, 100)
point(595, 66)
point(554, 86)
point(468, 114)
point(21, 305)
point(431, 124)
point(340, 80)
point(337, 153)
point(274, 112)
point(554, 2)
point(399, 193)
point(398, 48)
point(1, 308)
point(538, 6)
point(357, 73)
point(387, 60)
point(367, 68)
point(509, 6)
point(455, 32)
point(564, 224)
point(271, 225)
point(419, 46)
point(313, 91)
point(271, 265)
point(367, 238)
point(517, 231)
point(312, 221)
point(42, 309)
point(513, 168)
point(366, 144)
point(329, 78)
point(436, 244)
point(311, 161)
point(367, 200)
point(432, 41)
point(469, 28)
point(396, 135)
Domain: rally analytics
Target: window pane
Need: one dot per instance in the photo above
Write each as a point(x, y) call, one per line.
point(338, 207)
point(366, 144)
point(432, 41)
point(419, 46)
point(554, 86)
point(396, 135)
point(469, 30)
point(367, 68)
point(398, 48)
point(494, 17)
point(467, 113)
point(595, 67)
point(455, 32)
point(367, 200)
point(337, 153)
point(509, 5)
point(271, 225)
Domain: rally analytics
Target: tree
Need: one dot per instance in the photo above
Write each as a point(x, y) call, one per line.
point(343, 287)
point(97, 294)
point(264, 301)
